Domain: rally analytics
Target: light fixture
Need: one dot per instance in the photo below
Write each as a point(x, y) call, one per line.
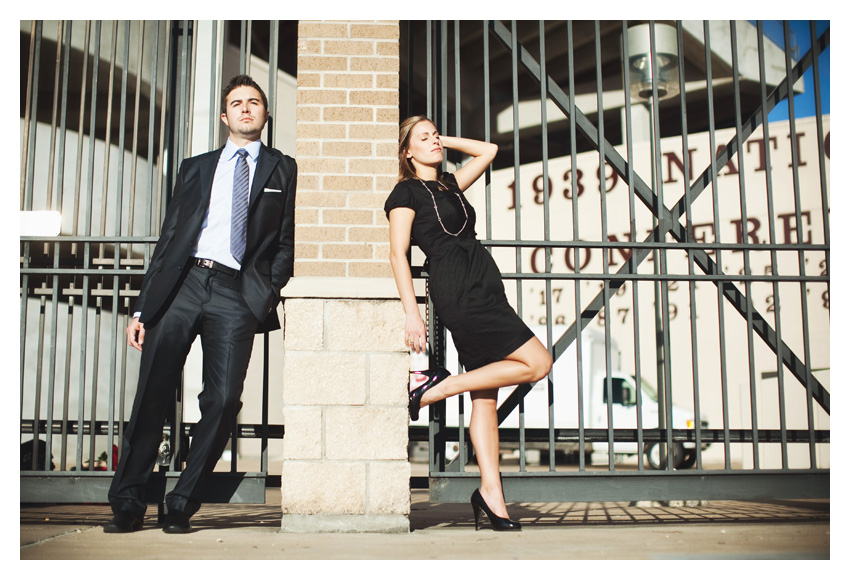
point(643, 68)
point(40, 223)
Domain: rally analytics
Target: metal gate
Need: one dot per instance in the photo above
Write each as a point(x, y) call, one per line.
point(660, 212)
point(107, 117)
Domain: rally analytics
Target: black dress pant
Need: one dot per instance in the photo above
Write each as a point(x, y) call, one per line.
point(208, 303)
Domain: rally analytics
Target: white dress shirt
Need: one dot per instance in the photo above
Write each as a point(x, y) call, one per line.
point(214, 241)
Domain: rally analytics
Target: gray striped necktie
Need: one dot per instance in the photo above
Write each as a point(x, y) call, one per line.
point(239, 213)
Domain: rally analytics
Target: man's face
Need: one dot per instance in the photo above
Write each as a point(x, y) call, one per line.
point(245, 114)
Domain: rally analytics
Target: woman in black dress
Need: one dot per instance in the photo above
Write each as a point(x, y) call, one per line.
point(495, 347)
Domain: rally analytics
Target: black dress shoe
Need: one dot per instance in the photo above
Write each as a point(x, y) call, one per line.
point(122, 523)
point(415, 396)
point(176, 522)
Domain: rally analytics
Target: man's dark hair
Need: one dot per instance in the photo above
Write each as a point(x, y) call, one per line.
point(241, 81)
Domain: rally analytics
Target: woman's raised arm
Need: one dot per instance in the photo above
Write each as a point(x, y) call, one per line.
point(482, 154)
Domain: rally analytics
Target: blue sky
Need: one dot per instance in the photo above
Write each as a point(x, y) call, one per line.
point(804, 104)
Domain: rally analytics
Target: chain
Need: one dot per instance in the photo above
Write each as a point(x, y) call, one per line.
point(466, 215)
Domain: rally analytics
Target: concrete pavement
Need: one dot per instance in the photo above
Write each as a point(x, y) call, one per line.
point(581, 531)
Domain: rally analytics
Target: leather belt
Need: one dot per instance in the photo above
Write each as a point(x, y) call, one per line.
point(202, 263)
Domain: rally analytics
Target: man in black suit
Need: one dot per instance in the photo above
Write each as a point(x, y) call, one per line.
point(225, 251)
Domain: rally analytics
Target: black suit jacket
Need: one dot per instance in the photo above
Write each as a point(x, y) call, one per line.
point(269, 253)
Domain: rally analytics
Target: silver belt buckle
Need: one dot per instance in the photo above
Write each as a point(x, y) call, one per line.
point(205, 263)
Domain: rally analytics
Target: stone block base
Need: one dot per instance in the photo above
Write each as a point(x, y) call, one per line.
point(342, 523)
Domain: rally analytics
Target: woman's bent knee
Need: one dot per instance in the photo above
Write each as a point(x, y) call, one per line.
point(541, 366)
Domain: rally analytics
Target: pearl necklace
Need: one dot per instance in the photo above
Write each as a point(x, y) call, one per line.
point(466, 215)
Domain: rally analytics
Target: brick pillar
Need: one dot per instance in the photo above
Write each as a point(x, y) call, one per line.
point(345, 462)
point(346, 146)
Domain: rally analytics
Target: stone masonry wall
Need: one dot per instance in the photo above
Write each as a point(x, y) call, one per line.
point(345, 464)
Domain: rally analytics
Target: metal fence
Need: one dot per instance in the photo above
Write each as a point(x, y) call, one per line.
point(105, 122)
point(660, 213)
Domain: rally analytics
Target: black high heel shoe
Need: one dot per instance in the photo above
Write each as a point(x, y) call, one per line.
point(497, 523)
point(415, 396)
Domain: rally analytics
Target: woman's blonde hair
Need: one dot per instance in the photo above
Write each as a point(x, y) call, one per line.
point(405, 167)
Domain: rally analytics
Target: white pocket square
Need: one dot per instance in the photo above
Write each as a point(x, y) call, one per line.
point(270, 190)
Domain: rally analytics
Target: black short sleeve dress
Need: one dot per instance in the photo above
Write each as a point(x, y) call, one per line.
point(465, 284)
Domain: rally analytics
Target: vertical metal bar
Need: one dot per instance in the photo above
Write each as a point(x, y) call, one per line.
point(410, 64)
point(458, 108)
point(629, 139)
point(488, 192)
point(75, 225)
point(745, 239)
point(772, 237)
point(250, 29)
point(544, 144)
point(689, 225)
point(119, 419)
point(180, 134)
point(264, 441)
point(60, 188)
point(436, 455)
point(56, 85)
point(824, 184)
point(87, 227)
point(274, 33)
point(115, 371)
point(190, 93)
point(60, 179)
point(273, 52)
point(429, 71)
point(131, 210)
point(72, 227)
point(54, 320)
point(165, 161)
point(243, 33)
point(801, 254)
point(84, 323)
point(122, 117)
point(721, 321)
point(577, 263)
point(443, 80)
point(186, 90)
point(30, 115)
point(603, 212)
point(87, 209)
point(51, 368)
point(63, 457)
point(107, 139)
point(214, 74)
point(518, 208)
point(517, 172)
point(95, 379)
point(39, 365)
point(104, 204)
point(665, 407)
point(25, 292)
point(459, 132)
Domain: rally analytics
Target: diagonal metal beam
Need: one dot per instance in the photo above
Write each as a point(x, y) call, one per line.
point(668, 217)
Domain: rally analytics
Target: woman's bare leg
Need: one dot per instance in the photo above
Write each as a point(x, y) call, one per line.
point(527, 364)
point(484, 433)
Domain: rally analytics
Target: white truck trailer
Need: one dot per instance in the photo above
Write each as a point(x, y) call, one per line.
point(595, 403)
